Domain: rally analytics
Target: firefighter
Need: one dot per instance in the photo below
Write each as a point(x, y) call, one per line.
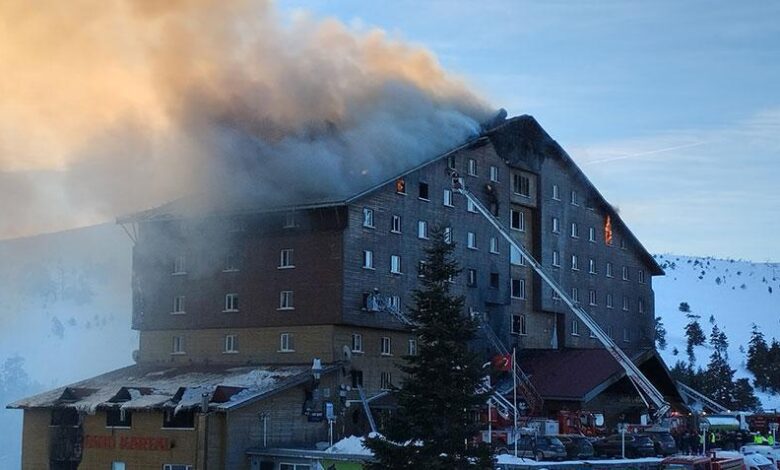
point(770, 440)
point(758, 439)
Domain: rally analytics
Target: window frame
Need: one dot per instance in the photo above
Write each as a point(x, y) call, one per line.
point(520, 225)
point(556, 192)
point(177, 345)
point(494, 173)
point(523, 322)
point(368, 260)
point(179, 265)
point(471, 167)
point(368, 218)
point(231, 302)
point(395, 224)
point(286, 300)
point(395, 264)
point(286, 342)
point(230, 344)
point(422, 230)
point(179, 305)
point(357, 343)
point(423, 188)
point(471, 240)
point(520, 291)
point(286, 258)
point(385, 346)
point(448, 200)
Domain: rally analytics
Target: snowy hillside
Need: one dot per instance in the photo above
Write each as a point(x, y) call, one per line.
point(737, 293)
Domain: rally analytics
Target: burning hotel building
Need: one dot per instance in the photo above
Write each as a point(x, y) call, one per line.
point(261, 325)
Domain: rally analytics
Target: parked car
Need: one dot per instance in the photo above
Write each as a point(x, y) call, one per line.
point(577, 446)
point(637, 445)
point(537, 447)
point(663, 442)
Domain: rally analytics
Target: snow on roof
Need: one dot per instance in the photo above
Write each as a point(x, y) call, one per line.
point(353, 445)
point(138, 387)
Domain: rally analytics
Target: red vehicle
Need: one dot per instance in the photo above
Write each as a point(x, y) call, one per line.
point(585, 423)
point(702, 462)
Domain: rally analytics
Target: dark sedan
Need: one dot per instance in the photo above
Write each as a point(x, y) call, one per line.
point(636, 446)
point(663, 442)
point(577, 447)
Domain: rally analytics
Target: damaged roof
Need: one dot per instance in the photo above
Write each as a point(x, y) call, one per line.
point(145, 387)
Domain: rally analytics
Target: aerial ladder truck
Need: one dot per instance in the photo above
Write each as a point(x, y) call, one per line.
point(653, 399)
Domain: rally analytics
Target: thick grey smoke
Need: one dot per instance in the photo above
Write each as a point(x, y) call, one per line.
point(122, 105)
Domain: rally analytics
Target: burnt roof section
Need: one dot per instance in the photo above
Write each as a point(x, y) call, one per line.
point(523, 143)
point(159, 387)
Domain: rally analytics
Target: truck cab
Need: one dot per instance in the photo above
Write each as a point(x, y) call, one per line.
point(702, 462)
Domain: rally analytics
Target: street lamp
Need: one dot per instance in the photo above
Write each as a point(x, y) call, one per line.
point(622, 428)
point(773, 427)
point(704, 426)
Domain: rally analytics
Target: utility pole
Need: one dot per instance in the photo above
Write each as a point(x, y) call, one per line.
point(514, 392)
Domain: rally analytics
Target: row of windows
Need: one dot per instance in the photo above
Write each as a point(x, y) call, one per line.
point(286, 302)
point(609, 300)
point(592, 268)
point(231, 262)
point(385, 379)
point(286, 344)
point(574, 231)
point(575, 331)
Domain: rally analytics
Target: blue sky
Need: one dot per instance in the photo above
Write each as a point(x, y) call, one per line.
point(671, 108)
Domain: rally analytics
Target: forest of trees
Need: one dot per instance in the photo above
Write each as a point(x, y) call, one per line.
point(716, 380)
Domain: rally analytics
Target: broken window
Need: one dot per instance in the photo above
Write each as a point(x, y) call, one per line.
point(517, 220)
point(400, 186)
point(231, 302)
point(286, 258)
point(64, 417)
point(286, 300)
point(119, 418)
point(422, 191)
point(494, 280)
point(180, 419)
point(357, 378)
point(368, 217)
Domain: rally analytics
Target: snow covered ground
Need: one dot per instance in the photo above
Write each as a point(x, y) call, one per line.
point(736, 293)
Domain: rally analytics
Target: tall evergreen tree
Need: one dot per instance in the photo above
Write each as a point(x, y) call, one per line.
point(695, 337)
point(758, 358)
point(434, 426)
point(660, 334)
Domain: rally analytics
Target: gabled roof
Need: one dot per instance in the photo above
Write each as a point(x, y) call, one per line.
point(160, 387)
point(523, 134)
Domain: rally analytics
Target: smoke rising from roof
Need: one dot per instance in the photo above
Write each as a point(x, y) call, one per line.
point(115, 106)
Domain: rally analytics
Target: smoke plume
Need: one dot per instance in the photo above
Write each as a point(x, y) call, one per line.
point(112, 106)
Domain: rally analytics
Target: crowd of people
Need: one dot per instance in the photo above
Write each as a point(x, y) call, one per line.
point(693, 442)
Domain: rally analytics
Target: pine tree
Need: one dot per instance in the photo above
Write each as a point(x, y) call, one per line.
point(758, 358)
point(695, 337)
point(684, 307)
point(434, 426)
point(660, 334)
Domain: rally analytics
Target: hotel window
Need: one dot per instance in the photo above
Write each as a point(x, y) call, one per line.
point(574, 199)
point(472, 168)
point(556, 258)
point(286, 300)
point(556, 192)
point(494, 280)
point(357, 343)
point(357, 378)
point(470, 206)
point(641, 305)
point(178, 345)
point(609, 301)
point(519, 326)
point(448, 198)
point(395, 264)
point(609, 269)
point(625, 273)
point(286, 258)
point(412, 347)
point(231, 344)
point(556, 225)
point(178, 265)
point(575, 266)
point(575, 327)
point(395, 225)
point(625, 303)
point(174, 466)
point(518, 220)
point(592, 266)
point(575, 294)
point(421, 268)
point(592, 234)
point(368, 217)
point(385, 381)
point(494, 245)
point(368, 259)
point(515, 257)
point(471, 277)
point(394, 303)
point(289, 220)
point(641, 276)
point(385, 346)
point(626, 335)
point(448, 235)
point(451, 162)
point(119, 418)
point(494, 174)
point(422, 229)
point(231, 263)
point(622, 243)
point(118, 465)
point(592, 296)
point(286, 342)
point(422, 191)
point(471, 240)
point(231, 303)
point(400, 186)
point(178, 304)
point(518, 288)
point(521, 185)
point(575, 230)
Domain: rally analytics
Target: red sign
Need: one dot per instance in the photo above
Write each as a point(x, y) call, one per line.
point(502, 362)
point(127, 443)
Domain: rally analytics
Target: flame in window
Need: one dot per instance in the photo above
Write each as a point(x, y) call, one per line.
point(608, 231)
point(400, 185)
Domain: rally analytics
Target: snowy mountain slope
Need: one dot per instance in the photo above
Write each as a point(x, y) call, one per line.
point(736, 293)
